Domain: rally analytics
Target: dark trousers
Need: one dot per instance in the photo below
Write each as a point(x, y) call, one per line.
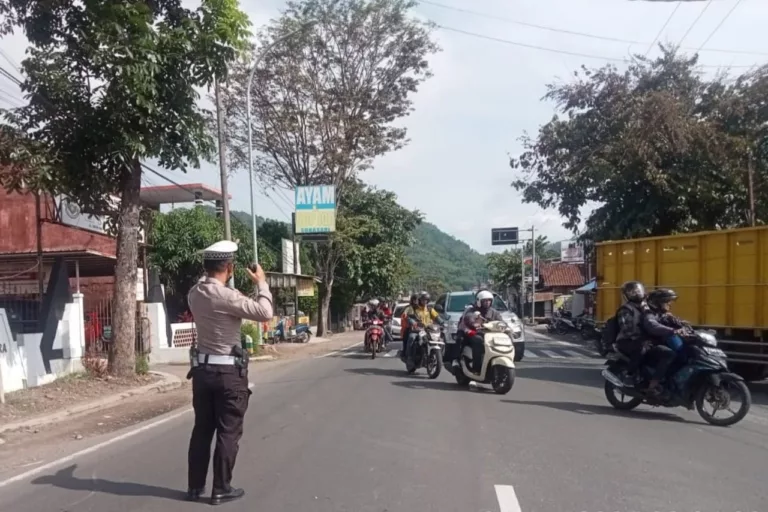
point(220, 398)
point(634, 351)
point(659, 357)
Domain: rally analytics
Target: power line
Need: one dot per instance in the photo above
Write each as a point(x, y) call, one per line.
point(661, 30)
point(555, 50)
point(579, 34)
point(695, 22)
point(720, 24)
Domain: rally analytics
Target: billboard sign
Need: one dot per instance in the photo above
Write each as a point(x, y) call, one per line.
point(72, 215)
point(315, 210)
point(571, 252)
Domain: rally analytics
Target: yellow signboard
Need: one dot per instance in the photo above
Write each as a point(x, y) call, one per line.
point(306, 288)
point(315, 209)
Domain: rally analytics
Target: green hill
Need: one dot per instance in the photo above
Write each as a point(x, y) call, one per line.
point(437, 257)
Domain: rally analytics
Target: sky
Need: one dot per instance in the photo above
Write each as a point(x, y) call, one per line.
point(486, 92)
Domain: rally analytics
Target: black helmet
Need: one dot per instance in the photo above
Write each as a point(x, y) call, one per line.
point(633, 291)
point(424, 296)
point(661, 296)
point(414, 298)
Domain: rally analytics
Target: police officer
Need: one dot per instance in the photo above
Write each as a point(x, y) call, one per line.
point(219, 375)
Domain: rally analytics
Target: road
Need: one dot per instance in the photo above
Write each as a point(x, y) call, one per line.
point(346, 433)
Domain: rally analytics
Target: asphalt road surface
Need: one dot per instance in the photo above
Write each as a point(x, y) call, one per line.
point(345, 433)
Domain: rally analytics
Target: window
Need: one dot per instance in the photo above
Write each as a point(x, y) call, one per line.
point(498, 304)
point(399, 311)
point(441, 301)
point(458, 303)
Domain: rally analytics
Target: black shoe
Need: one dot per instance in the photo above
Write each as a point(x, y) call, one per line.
point(194, 494)
point(225, 497)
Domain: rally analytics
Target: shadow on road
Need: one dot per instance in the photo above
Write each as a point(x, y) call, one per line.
point(381, 372)
point(581, 375)
point(759, 392)
point(601, 410)
point(66, 479)
point(427, 383)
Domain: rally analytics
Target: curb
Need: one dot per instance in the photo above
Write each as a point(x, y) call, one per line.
point(263, 358)
point(167, 383)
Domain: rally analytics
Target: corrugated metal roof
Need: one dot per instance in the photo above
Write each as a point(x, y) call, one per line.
point(561, 274)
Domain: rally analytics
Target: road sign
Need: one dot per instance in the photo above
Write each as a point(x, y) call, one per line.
point(504, 236)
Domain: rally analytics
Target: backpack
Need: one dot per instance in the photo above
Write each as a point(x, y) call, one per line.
point(610, 333)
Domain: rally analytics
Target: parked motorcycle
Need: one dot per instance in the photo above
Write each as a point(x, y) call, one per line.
point(427, 350)
point(704, 377)
point(498, 368)
point(374, 337)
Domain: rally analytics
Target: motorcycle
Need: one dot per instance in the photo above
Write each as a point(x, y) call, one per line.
point(704, 377)
point(426, 351)
point(498, 367)
point(374, 337)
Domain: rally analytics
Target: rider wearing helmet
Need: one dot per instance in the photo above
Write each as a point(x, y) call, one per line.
point(423, 314)
point(660, 302)
point(483, 307)
point(405, 323)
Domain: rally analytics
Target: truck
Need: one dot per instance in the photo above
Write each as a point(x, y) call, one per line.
point(720, 277)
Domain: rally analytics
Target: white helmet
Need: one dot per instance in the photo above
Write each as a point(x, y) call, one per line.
point(374, 303)
point(483, 295)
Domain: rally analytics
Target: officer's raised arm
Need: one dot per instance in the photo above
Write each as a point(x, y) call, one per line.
point(259, 309)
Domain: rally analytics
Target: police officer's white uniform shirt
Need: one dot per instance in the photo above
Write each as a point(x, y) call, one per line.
point(219, 310)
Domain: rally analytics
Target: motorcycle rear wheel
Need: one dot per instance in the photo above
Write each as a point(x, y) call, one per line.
point(374, 349)
point(741, 389)
point(610, 395)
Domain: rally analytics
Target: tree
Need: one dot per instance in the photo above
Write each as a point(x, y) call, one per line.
point(334, 78)
point(658, 147)
point(374, 233)
point(110, 84)
point(504, 269)
point(177, 238)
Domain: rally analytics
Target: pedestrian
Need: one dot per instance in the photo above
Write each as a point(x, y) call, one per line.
point(219, 371)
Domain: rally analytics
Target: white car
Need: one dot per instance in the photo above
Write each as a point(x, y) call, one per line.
point(397, 329)
point(454, 304)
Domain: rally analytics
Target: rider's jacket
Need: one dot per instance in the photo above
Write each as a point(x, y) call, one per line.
point(425, 314)
point(630, 320)
point(491, 315)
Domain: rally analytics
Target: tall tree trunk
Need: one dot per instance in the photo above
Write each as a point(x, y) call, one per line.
point(327, 269)
point(122, 357)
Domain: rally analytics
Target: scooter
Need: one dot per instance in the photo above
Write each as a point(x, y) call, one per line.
point(498, 367)
point(374, 337)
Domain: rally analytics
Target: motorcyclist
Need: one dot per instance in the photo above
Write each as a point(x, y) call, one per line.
point(405, 323)
point(424, 315)
point(629, 316)
point(468, 328)
point(660, 302)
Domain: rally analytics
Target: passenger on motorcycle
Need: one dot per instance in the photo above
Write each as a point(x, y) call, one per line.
point(424, 314)
point(405, 323)
point(629, 317)
point(468, 323)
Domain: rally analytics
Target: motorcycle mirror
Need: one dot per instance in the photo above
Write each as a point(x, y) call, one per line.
point(439, 308)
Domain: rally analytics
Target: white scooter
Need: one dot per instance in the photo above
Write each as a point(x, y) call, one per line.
point(498, 368)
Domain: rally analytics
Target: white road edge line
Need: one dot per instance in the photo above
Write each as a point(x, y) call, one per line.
point(507, 498)
point(340, 351)
point(96, 447)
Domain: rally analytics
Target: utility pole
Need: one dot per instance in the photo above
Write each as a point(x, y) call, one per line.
point(223, 161)
point(533, 273)
point(295, 271)
point(750, 173)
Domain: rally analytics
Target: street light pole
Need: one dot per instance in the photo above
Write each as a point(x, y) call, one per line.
point(251, 173)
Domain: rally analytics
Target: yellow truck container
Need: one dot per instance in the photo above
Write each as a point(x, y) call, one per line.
point(720, 277)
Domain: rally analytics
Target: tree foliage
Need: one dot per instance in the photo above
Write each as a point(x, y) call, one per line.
point(178, 237)
point(660, 148)
point(333, 78)
point(374, 231)
point(109, 84)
